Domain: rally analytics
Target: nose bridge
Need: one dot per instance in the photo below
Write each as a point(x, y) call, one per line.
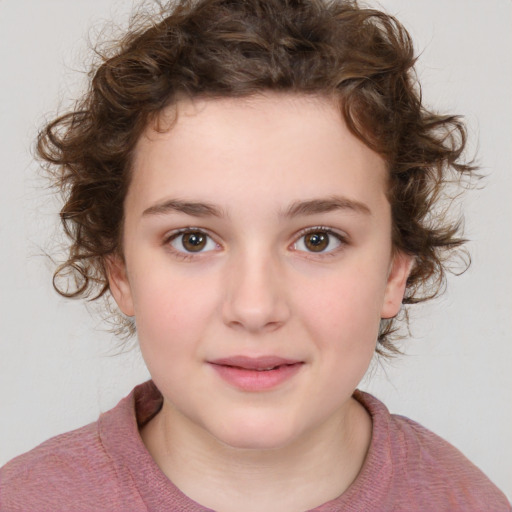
point(255, 296)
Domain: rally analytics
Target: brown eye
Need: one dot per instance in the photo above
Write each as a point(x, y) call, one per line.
point(316, 242)
point(320, 241)
point(192, 241)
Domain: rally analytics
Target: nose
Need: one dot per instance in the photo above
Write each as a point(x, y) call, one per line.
point(255, 298)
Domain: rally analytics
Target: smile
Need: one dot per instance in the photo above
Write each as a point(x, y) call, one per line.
point(256, 374)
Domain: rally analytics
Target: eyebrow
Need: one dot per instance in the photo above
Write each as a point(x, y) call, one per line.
point(325, 205)
point(187, 207)
point(297, 208)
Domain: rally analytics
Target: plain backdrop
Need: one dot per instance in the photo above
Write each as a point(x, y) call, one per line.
point(59, 368)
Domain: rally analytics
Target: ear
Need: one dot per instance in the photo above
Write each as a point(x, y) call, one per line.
point(119, 283)
point(395, 287)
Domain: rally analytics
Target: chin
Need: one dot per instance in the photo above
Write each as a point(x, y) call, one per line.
point(256, 435)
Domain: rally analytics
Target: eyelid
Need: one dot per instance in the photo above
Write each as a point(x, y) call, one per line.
point(174, 234)
point(340, 236)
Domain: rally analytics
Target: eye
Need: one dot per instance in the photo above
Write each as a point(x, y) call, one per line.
point(192, 240)
point(318, 240)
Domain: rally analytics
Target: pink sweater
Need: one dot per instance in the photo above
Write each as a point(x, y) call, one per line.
point(105, 466)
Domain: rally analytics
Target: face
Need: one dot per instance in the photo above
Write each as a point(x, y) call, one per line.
point(258, 265)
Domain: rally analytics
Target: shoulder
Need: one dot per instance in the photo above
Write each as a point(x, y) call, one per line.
point(423, 467)
point(56, 468)
point(72, 471)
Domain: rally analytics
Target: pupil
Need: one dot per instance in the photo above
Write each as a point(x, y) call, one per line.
point(317, 242)
point(194, 242)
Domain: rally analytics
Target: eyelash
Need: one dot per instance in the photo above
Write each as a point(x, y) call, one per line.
point(342, 239)
point(184, 255)
point(187, 256)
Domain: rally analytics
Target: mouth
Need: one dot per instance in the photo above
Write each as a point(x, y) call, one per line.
point(256, 373)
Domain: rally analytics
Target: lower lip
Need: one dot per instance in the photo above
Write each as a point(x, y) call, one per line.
point(254, 380)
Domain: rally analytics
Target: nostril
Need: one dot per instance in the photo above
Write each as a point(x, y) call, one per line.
point(254, 299)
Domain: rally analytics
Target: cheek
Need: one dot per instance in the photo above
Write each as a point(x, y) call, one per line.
point(172, 313)
point(344, 309)
point(341, 317)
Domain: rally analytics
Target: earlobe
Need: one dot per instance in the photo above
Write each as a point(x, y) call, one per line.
point(397, 281)
point(119, 284)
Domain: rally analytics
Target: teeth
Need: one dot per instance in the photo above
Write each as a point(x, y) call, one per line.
point(266, 369)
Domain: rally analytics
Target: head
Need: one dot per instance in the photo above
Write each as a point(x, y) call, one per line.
point(358, 61)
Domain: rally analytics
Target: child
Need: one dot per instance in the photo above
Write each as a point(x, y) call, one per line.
point(255, 184)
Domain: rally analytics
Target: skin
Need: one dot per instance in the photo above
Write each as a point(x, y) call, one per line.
point(252, 174)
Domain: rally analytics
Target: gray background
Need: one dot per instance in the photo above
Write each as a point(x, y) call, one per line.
point(58, 369)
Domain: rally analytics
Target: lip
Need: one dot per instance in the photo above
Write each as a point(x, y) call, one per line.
point(254, 363)
point(256, 373)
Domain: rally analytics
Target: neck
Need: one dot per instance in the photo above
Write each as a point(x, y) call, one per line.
point(309, 471)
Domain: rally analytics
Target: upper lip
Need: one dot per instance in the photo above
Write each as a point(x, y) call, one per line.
point(254, 363)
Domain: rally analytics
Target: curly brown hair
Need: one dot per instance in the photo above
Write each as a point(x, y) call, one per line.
point(362, 57)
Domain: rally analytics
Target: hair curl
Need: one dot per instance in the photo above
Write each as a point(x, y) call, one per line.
point(228, 48)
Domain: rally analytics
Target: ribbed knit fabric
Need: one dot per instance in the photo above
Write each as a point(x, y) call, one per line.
point(105, 466)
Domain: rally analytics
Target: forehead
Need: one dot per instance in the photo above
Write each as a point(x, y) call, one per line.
point(275, 146)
